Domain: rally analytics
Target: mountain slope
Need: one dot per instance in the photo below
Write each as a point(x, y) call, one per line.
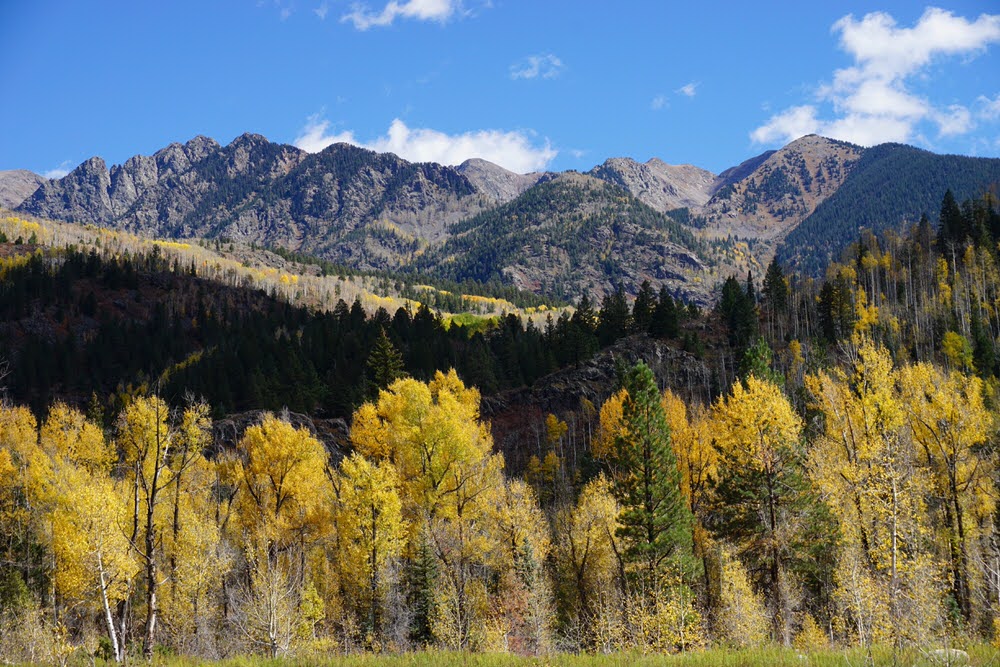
point(17, 185)
point(496, 182)
point(569, 236)
point(348, 204)
point(661, 186)
point(780, 190)
point(889, 186)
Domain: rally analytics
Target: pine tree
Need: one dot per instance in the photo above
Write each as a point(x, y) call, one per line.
point(643, 308)
point(665, 322)
point(615, 319)
point(951, 227)
point(656, 522)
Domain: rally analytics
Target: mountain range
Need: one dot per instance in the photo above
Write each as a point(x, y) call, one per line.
point(561, 234)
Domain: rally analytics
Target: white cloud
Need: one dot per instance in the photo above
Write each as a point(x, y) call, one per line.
point(989, 109)
point(954, 120)
point(60, 171)
point(511, 150)
point(658, 102)
point(421, 10)
point(870, 100)
point(793, 122)
point(322, 10)
point(688, 89)
point(544, 65)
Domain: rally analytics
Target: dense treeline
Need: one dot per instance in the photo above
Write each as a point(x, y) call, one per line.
point(94, 329)
point(447, 295)
point(78, 324)
point(735, 523)
point(890, 185)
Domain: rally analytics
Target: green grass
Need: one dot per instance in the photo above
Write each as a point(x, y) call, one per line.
point(980, 656)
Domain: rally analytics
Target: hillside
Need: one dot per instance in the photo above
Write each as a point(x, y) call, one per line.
point(557, 235)
point(890, 186)
point(778, 192)
point(659, 185)
point(16, 185)
point(572, 235)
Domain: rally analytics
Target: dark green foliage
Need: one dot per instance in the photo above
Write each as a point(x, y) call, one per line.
point(775, 290)
point(656, 522)
point(385, 365)
point(615, 320)
point(643, 307)
point(113, 327)
point(447, 295)
point(836, 309)
point(888, 186)
point(951, 225)
point(665, 322)
point(757, 361)
point(738, 313)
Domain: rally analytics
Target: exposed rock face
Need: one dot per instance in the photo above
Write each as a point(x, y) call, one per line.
point(364, 209)
point(562, 234)
point(17, 185)
point(659, 185)
point(779, 189)
point(333, 433)
point(496, 182)
point(518, 416)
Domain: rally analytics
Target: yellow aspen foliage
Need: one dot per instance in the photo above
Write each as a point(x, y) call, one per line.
point(810, 637)
point(586, 552)
point(543, 475)
point(664, 619)
point(609, 425)
point(18, 435)
point(762, 496)
point(555, 430)
point(67, 434)
point(866, 315)
point(282, 492)
point(950, 422)
point(371, 530)
point(451, 484)
point(692, 444)
point(520, 525)
point(741, 619)
point(755, 423)
point(957, 350)
point(432, 434)
point(866, 466)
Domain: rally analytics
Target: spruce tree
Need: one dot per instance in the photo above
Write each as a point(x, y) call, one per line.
point(385, 365)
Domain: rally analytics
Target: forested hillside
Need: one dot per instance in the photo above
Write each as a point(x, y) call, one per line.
point(890, 186)
point(837, 487)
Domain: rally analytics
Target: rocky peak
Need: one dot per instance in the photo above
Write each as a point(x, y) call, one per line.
point(768, 195)
point(659, 185)
point(496, 182)
point(17, 185)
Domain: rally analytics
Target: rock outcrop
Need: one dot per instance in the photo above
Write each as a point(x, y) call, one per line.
point(17, 185)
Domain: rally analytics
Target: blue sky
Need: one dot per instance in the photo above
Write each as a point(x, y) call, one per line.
point(530, 84)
